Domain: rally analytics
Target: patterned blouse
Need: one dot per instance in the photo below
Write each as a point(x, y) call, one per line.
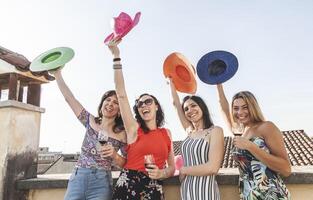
point(90, 157)
point(256, 180)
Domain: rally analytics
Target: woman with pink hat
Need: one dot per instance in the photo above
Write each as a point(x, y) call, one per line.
point(150, 155)
point(202, 150)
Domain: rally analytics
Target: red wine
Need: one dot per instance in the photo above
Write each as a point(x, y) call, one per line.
point(147, 166)
point(103, 142)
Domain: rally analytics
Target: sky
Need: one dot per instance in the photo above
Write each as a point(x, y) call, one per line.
point(271, 39)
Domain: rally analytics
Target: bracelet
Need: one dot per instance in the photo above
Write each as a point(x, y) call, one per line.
point(117, 66)
point(116, 59)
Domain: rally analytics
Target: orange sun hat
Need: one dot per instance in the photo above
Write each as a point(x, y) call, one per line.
point(178, 67)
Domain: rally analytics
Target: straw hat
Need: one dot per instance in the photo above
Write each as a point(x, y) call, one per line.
point(217, 67)
point(177, 66)
point(52, 59)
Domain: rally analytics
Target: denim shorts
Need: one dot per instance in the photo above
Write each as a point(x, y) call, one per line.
point(89, 183)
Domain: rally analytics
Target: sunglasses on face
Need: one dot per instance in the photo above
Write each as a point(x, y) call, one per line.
point(147, 102)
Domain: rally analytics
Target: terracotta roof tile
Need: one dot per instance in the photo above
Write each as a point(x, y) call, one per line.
point(298, 144)
point(21, 63)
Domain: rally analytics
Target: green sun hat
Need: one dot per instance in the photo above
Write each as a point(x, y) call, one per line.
point(52, 59)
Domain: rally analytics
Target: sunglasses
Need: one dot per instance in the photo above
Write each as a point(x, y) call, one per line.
point(147, 102)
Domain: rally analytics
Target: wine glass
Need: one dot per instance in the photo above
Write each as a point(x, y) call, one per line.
point(149, 160)
point(237, 130)
point(103, 137)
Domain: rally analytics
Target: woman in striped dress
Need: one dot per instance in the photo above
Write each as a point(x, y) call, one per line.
point(202, 150)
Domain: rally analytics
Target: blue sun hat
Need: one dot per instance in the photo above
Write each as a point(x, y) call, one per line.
point(52, 59)
point(217, 67)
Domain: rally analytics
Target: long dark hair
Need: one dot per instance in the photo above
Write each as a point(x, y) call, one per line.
point(159, 114)
point(118, 125)
point(207, 121)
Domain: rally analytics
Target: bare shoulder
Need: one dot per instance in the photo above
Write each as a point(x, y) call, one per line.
point(92, 122)
point(266, 125)
point(217, 130)
point(215, 135)
point(122, 136)
point(267, 128)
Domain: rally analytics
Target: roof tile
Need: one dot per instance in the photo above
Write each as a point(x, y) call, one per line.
point(21, 63)
point(298, 144)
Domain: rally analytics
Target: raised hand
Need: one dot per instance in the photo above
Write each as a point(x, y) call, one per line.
point(114, 48)
point(56, 73)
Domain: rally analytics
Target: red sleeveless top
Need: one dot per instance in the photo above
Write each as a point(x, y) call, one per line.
point(156, 142)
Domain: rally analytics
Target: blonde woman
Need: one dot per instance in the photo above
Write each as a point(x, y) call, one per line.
point(262, 156)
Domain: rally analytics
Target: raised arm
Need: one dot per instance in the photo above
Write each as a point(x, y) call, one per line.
point(67, 94)
point(224, 106)
point(130, 123)
point(176, 102)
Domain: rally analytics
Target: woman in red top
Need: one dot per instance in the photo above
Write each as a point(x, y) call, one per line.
point(144, 136)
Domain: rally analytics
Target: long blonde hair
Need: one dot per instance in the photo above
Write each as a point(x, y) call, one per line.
point(255, 112)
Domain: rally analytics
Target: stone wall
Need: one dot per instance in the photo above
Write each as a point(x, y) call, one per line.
point(20, 127)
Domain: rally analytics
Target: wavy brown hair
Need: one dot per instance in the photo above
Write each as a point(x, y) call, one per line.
point(118, 125)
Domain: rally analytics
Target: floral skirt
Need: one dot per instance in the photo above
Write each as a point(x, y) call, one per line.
point(136, 185)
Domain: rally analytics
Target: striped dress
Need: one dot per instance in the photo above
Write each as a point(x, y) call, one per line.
point(196, 152)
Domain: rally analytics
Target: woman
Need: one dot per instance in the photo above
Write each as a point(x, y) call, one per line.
point(262, 156)
point(144, 136)
point(91, 178)
point(202, 150)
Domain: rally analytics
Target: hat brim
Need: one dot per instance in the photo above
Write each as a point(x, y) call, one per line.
point(52, 59)
point(203, 67)
point(180, 70)
point(114, 36)
point(124, 32)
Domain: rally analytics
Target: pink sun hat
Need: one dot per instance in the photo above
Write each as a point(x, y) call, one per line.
point(122, 25)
